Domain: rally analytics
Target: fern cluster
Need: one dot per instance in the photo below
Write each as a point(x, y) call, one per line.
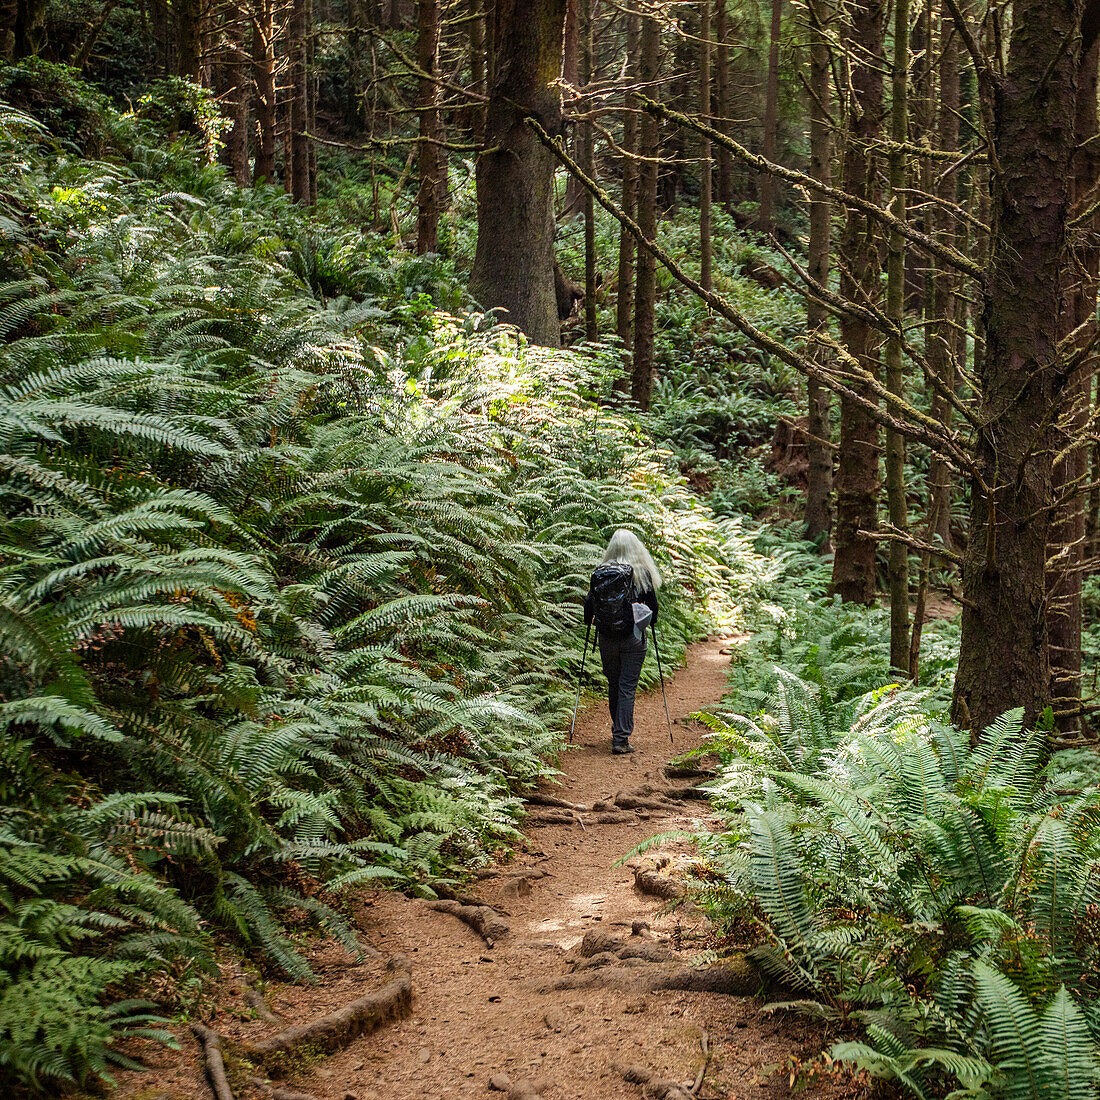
point(946, 896)
point(291, 564)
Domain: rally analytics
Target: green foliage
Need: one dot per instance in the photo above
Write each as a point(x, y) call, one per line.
point(944, 895)
point(291, 563)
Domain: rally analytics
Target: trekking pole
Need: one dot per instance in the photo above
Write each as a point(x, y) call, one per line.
point(662, 675)
point(580, 679)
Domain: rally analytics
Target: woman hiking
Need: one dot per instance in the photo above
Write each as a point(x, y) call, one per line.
point(624, 586)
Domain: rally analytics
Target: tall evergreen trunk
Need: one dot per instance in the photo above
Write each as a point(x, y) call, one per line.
point(771, 118)
point(858, 453)
point(645, 290)
point(705, 173)
point(589, 163)
point(624, 299)
point(430, 157)
point(477, 67)
point(898, 558)
point(722, 91)
point(189, 34)
point(1005, 660)
point(513, 265)
point(234, 90)
point(263, 80)
point(297, 143)
point(941, 334)
point(819, 476)
point(1066, 553)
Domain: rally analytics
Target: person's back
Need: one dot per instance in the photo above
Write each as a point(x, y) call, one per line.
point(626, 578)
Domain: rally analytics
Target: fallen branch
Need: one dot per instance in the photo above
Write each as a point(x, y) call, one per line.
point(212, 1060)
point(336, 1029)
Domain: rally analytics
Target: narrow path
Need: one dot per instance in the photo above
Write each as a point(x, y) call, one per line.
point(480, 1012)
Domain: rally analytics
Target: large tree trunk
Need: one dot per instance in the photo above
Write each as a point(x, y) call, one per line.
point(431, 160)
point(771, 118)
point(189, 30)
point(858, 454)
point(1005, 660)
point(263, 79)
point(234, 90)
point(1066, 552)
point(819, 477)
point(645, 290)
point(514, 262)
point(297, 142)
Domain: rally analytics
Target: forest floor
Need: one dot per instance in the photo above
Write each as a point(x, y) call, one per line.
point(529, 1007)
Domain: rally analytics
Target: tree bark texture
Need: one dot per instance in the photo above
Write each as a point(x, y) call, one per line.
point(858, 454)
point(624, 300)
point(1005, 658)
point(705, 173)
point(263, 79)
point(645, 290)
point(722, 91)
point(513, 266)
point(1066, 552)
point(898, 556)
point(234, 90)
point(431, 159)
point(819, 477)
point(297, 143)
point(591, 331)
point(771, 117)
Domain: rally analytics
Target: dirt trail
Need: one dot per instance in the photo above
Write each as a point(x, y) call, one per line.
point(481, 1011)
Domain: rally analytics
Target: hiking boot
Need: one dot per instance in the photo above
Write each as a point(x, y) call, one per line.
point(621, 750)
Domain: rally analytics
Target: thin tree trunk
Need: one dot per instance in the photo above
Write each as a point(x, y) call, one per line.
point(898, 559)
point(297, 159)
point(589, 164)
point(858, 453)
point(771, 118)
point(624, 313)
point(645, 291)
point(1005, 659)
point(705, 174)
point(1067, 538)
point(263, 79)
point(819, 477)
point(722, 88)
point(430, 157)
point(513, 265)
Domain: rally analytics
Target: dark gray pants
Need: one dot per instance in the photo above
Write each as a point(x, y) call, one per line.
point(622, 665)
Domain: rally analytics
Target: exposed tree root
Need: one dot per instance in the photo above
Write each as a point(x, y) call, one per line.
point(551, 817)
point(254, 999)
point(735, 976)
point(212, 1060)
point(536, 798)
point(686, 771)
point(522, 1090)
point(289, 1094)
point(337, 1029)
point(654, 1087)
point(613, 818)
point(658, 885)
point(486, 922)
point(602, 943)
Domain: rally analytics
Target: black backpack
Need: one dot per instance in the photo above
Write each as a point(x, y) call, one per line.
point(614, 595)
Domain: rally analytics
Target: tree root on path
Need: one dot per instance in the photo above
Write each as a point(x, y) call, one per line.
point(522, 1090)
point(659, 886)
point(536, 798)
point(337, 1029)
point(486, 922)
point(212, 1060)
point(687, 771)
point(654, 1087)
point(735, 977)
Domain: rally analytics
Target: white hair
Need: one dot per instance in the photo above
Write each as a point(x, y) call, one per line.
point(625, 546)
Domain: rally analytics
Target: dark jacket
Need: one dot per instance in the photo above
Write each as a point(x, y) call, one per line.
point(648, 598)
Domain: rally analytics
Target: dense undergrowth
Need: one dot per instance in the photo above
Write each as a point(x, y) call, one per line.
point(944, 895)
point(291, 554)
